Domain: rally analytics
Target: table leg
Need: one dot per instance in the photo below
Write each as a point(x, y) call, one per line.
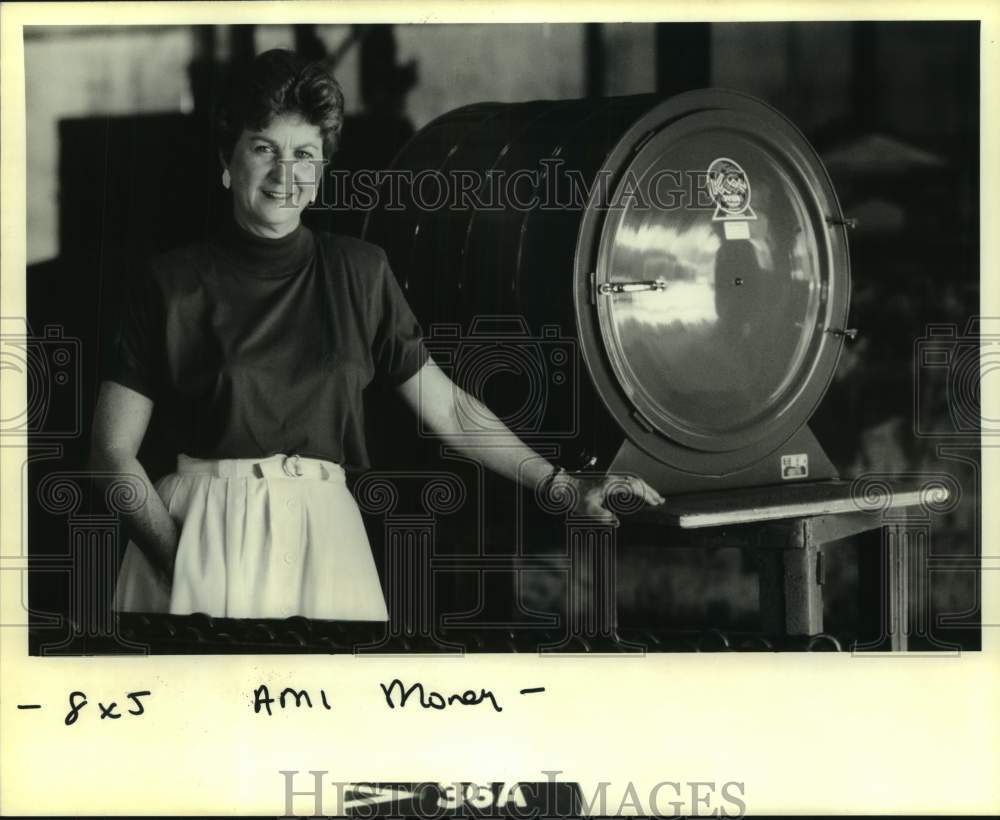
point(791, 590)
point(898, 548)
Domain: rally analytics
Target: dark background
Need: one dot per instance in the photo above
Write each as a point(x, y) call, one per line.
point(891, 107)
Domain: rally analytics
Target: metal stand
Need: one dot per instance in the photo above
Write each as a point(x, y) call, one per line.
point(786, 529)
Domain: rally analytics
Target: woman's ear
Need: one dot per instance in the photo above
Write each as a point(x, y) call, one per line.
point(227, 179)
point(319, 167)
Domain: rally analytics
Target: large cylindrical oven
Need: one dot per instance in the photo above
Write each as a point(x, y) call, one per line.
point(668, 274)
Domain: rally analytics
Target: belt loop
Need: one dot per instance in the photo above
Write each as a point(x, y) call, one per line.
point(258, 470)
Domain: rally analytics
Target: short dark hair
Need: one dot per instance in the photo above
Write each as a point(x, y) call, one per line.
point(280, 82)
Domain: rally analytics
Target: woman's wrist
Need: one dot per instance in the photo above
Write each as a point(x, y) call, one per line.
point(542, 486)
point(551, 486)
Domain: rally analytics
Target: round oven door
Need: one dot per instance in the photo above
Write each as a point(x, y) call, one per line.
point(719, 280)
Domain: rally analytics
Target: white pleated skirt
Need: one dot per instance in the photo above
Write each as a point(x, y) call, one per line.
point(259, 538)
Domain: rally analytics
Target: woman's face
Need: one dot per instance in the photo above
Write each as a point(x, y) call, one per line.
point(274, 174)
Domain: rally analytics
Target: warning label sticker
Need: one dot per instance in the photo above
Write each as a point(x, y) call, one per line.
point(794, 466)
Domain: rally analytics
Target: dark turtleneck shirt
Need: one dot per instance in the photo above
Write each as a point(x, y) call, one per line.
point(259, 346)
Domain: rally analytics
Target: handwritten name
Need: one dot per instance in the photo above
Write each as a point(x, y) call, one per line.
point(435, 700)
point(263, 700)
point(396, 693)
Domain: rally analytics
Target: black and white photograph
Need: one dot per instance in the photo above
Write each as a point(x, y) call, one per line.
point(597, 342)
point(637, 337)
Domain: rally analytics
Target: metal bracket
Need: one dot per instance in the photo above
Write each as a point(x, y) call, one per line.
point(849, 222)
point(849, 333)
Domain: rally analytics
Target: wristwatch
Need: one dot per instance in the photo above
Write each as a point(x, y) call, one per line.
point(546, 483)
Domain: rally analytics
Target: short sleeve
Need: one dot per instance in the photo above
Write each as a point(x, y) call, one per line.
point(136, 354)
point(398, 349)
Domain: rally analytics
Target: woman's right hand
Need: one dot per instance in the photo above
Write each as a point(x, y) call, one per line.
point(120, 421)
point(162, 556)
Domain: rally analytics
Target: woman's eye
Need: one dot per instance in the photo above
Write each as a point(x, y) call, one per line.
point(304, 154)
point(262, 148)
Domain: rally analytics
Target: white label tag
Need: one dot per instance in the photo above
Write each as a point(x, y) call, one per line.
point(736, 229)
point(794, 466)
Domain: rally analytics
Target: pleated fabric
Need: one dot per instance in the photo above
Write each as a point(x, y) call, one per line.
point(258, 540)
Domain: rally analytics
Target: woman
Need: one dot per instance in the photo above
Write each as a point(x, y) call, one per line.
point(259, 342)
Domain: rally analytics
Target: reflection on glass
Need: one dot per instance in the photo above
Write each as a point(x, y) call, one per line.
point(718, 348)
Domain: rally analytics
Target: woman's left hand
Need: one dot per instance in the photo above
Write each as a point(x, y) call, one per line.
point(589, 495)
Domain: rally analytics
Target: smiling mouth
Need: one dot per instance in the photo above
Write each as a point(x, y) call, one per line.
point(277, 196)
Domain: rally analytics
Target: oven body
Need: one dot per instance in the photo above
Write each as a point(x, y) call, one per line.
point(636, 284)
